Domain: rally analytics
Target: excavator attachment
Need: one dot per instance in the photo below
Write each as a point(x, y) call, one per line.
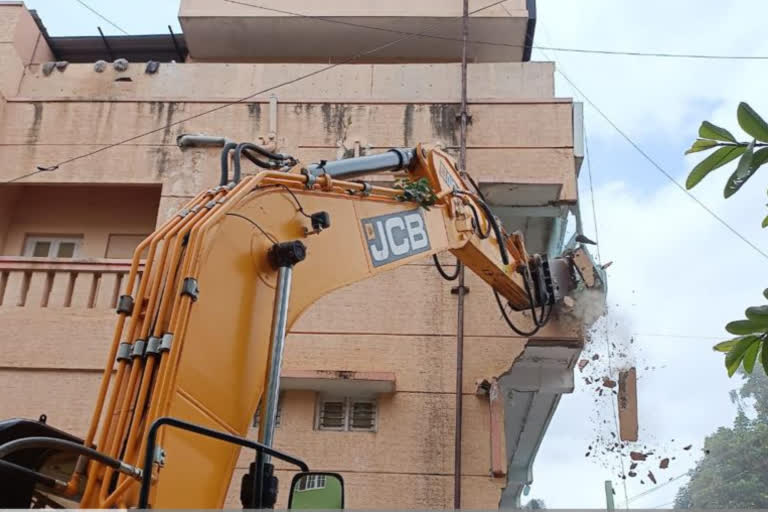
point(201, 326)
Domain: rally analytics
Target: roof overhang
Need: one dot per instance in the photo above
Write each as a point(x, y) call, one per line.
point(220, 31)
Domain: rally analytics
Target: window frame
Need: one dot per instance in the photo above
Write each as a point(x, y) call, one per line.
point(55, 240)
point(348, 404)
point(318, 482)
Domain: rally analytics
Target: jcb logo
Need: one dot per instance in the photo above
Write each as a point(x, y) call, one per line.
point(395, 236)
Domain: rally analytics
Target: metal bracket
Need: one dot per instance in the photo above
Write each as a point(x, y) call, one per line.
point(125, 305)
point(456, 289)
point(165, 346)
point(138, 348)
point(159, 458)
point(189, 287)
point(123, 352)
point(153, 345)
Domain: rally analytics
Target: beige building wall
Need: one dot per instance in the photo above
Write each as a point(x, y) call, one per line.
point(402, 322)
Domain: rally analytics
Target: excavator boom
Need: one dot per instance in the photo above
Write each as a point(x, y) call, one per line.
point(200, 329)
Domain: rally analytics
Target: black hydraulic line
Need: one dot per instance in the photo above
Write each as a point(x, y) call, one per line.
point(229, 146)
point(63, 444)
point(34, 475)
point(482, 234)
point(248, 146)
point(446, 275)
point(149, 453)
point(509, 320)
point(492, 221)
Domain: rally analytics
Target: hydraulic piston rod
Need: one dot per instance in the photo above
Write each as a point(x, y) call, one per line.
point(392, 160)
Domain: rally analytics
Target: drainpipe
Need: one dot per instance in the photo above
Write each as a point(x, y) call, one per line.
point(461, 290)
point(189, 140)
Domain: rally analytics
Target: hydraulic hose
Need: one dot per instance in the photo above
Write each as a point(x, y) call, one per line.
point(62, 444)
point(492, 221)
point(229, 146)
point(446, 275)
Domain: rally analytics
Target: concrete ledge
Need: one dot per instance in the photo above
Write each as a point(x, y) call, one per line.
point(338, 381)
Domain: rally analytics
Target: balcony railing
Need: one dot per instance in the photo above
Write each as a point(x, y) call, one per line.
point(61, 283)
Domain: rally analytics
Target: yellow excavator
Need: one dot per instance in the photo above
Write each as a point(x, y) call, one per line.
point(210, 296)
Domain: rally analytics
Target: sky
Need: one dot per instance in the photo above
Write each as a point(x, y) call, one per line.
point(678, 275)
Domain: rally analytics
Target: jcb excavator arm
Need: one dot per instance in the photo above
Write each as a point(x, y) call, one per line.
point(198, 334)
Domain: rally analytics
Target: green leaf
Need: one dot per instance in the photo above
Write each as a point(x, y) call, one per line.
point(725, 346)
point(764, 358)
point(751, 122)
point(743, 172)
point(701, 145)
point(717, 159)
point(765, 224)
point(744, 327)
point(708, 130)
point(750, 355)
point(734, 356)
point(757, 313)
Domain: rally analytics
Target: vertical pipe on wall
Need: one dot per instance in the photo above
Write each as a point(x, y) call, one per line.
point(460, 289)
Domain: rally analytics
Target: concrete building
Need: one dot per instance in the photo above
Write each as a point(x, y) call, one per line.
point(371, 392)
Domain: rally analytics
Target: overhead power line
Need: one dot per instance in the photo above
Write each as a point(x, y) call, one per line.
point(246, 98)
point(671, 55)
point(97, 13)
point(659, 168)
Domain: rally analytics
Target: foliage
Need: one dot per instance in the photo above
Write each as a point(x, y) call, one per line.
point(734, 473)
point(418, 191)
point(750, 345)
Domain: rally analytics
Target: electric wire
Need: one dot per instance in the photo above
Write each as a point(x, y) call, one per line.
point(258, 93)
point(659, 168)
point(508, 45)
point(269, 237)
point(97, 13)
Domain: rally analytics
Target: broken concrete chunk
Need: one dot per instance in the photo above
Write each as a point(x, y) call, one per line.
point(152, 67)
point(632, 474)
point(627, 403)
point(688, 447)
point(608, 383)
point(633, 465)
point(583, 363)
point(596, 357)
point(664, 464)
point(637, 456)
point(651, 477)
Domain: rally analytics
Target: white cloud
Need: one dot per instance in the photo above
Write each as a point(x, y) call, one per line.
point(659, 96)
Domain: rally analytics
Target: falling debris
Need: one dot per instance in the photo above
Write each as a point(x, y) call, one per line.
point(651, 477)
point(628, 428)
point(596, 357)
point(608, 383)
point(637, 456)
point(664, 464)
point(688, 447)
point(583, 363)
point(633, 465)
point(632, 474)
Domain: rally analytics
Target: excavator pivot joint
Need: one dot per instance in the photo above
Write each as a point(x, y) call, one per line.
point(287, 254)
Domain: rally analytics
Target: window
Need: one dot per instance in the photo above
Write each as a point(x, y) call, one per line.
point(310, 482)
point(346, 414)
point(53, 246)
point(277, 417)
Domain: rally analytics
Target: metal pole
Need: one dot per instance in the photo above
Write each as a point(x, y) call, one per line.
point(279, 328)
point(609, 496)
point(461, 289)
